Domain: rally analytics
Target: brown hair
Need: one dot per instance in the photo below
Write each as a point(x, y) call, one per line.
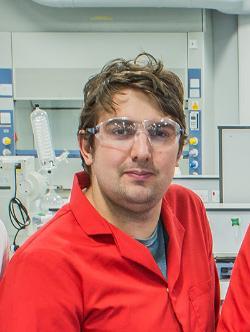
point(144, 73)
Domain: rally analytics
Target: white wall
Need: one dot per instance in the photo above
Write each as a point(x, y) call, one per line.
point(209, 157)
point(225, 41)
point(220, 47)
point(225, 76)
point(244, 68)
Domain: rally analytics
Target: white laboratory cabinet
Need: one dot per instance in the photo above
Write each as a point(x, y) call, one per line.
point(234, 163)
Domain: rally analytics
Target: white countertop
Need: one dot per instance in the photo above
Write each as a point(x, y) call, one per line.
point(227, 206)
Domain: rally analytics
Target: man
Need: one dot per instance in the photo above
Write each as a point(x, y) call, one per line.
point(235, 315)
point(130, 252)
point(4, 248)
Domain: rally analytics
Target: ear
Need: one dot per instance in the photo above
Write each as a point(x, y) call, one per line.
point(179, 155)
point(85, 150)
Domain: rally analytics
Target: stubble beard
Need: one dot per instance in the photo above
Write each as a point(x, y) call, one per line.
point(138, 199)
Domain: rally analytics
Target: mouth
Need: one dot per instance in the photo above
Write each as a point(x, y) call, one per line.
point(139, 174)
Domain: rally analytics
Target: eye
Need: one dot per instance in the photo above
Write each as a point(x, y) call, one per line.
point(161, 131)
point(120, 128)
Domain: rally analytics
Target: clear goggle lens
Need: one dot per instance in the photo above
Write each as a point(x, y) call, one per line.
point(121, 132)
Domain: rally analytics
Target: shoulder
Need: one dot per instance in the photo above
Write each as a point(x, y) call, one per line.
point(177, 195)
point(52, 236)
point(48, 247)
point(186, 206)
point(246, 242)
point(243, 258)
point(233, 318)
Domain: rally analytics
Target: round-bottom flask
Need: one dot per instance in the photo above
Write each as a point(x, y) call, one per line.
point(51, 201)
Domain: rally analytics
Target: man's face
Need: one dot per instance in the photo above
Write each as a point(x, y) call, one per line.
point(135, 178)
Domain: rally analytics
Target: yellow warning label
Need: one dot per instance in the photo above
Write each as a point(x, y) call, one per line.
point(195, 106)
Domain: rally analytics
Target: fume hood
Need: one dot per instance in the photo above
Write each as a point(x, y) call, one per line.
point(225, 6)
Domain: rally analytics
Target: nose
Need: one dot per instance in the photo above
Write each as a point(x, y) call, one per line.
point(141, 148)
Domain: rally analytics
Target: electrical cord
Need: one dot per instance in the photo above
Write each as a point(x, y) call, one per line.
point(18, 214)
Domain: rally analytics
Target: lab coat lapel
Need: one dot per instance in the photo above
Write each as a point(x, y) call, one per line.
point(93, 224)
point(135, 251)
point(175, 232)
point(86, 215)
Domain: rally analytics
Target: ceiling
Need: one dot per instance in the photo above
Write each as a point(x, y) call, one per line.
point(226, 6)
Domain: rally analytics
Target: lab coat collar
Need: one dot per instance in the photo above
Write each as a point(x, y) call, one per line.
point(94, 224)
point(176, 233)
point(86, 215)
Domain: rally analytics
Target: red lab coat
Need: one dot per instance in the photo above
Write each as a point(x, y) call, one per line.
point(80, 273)
point(235, 315)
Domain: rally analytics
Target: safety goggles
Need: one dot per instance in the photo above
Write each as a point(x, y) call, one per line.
point(120, 132)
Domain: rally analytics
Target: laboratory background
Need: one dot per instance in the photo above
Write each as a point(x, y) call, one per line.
point(48, 51)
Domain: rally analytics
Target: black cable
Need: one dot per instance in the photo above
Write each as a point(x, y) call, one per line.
point(17, 210)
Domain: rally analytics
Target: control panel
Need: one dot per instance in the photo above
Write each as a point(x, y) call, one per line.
point(194, 122)
point(7, 142)
point(224, 267)
point(194, 140)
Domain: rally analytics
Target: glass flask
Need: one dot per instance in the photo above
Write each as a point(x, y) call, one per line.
point(51, 202)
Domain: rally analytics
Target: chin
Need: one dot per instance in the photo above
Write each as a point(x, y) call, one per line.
point(141, 197)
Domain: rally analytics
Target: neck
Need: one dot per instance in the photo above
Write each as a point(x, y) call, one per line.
point(137, 221)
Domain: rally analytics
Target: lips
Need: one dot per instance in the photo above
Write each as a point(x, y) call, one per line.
point(139, 173)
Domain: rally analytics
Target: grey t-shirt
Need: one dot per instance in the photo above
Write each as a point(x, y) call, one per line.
point(156, 243)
